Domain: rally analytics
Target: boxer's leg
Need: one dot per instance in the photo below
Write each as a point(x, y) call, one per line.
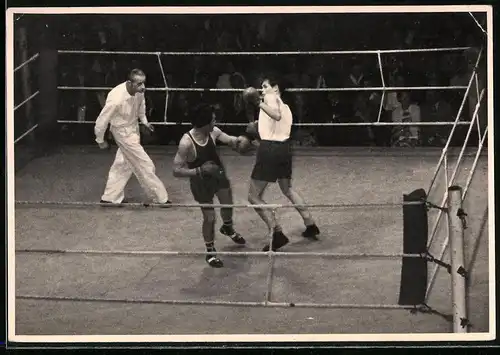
point(225, 197)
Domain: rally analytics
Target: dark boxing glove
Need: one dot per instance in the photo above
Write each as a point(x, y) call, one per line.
point(252, 96)
point(208, 169)
point(251, 131)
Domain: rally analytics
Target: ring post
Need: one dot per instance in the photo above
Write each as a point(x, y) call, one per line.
point(458, 275)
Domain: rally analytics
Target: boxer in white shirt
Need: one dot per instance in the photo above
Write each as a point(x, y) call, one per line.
point(125, 104)
point(274, 160)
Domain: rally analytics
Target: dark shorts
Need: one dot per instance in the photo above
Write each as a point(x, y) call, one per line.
point(204, 189)
point(273, 161)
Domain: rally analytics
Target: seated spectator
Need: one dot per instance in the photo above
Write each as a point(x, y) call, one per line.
point(357, 79)
point(391, 97)
point(334, 109)
point(407, 111)
point(436, 109)
point(179, 113)
point(462, 78)
point(239, 109)
point(228, 101)
point(364, 114)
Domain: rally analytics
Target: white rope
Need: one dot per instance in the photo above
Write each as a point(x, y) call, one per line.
point(474, 164)
point(26, 133)
point(477, 96)
point(383, 51)
point(25, 101)
point(26, 62)
point(301, 124)
point(478, 24)
point(166, 86)
point(159, 253)
point(203, 205)
point(375, 88)
point(455, 171)
point(457, 118)
point(430, 284)
point(218, 303)
point(379, 57)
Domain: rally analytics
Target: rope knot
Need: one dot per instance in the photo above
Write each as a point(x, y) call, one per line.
point(461, 214)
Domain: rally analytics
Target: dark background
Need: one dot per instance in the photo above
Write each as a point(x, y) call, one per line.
point(276, 32)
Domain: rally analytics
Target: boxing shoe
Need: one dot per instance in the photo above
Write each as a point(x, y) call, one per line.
point(231, 233)
point(214, 261)
point(311, 232)
point(279, 240)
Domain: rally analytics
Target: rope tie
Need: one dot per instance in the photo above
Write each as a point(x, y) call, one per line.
point(429, 205)
point(430, 258)
point(461, 214)
point(426, 309)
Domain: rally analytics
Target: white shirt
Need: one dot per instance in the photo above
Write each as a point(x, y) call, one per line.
point(272, 130)
point(391, 101)
point(412, 114)
point(120, 111)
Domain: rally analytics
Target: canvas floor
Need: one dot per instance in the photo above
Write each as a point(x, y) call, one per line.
point(333, 175)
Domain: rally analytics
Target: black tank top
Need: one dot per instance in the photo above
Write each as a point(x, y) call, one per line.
point(205, 153)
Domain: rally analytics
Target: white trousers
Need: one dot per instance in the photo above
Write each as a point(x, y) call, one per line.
point(131, 158)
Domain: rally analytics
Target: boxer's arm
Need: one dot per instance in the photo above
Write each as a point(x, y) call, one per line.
point(104, 119)
point(182, 157)
point(271, 107)
point(225, 138)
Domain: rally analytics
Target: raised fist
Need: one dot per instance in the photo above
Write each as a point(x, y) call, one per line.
point(251, 96)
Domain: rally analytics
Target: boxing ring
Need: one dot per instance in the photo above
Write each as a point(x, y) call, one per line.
point(68, 197)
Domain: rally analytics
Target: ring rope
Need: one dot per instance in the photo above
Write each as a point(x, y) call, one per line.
point(478, 24)
point(455, 170)
point(166, 86)
point(374, 88)
point(381, 51)
point(25, 101)
point(382, 99)
point(457, 118)
point(303, 124)
point(219, 303)
point(26, 62)
point(158, 253)
point(26, 133)
point(206, 205)
point(474, 164)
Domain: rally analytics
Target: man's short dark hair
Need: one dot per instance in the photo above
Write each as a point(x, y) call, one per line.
point(201, 114)
point(276, 80)
point(135, 72)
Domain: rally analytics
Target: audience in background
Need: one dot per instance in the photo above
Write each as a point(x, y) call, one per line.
point(436, 109)
point(264, 32)
point(407, 111)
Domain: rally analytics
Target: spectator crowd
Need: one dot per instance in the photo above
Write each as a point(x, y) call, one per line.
point(293, 32)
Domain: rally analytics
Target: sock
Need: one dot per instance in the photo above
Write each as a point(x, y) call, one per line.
point(210, 246)
point(309, 222)
point(228, 223)
point(277, 229)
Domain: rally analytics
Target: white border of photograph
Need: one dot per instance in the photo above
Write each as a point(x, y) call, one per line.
point(240, 338)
